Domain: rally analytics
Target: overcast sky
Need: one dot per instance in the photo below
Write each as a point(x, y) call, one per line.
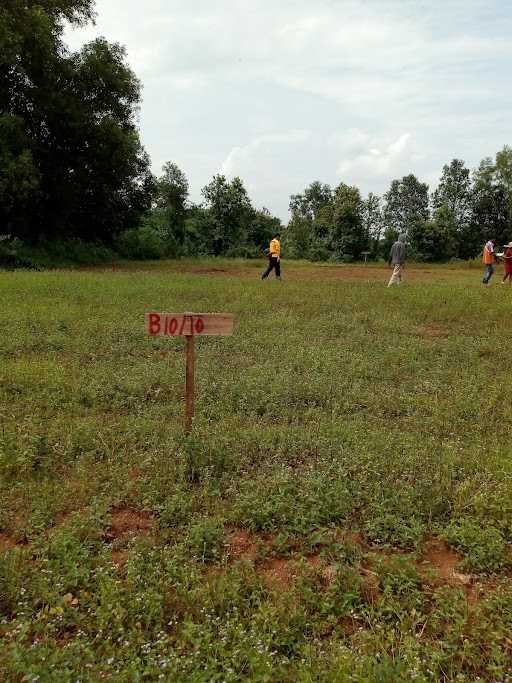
point(284, 92)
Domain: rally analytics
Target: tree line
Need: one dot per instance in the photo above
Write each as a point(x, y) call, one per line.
point(73, 170)
point(452, 222)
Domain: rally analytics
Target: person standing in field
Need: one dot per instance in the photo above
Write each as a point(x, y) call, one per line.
point(397, 260)
point(274, 257)
point(507, 259)
point(489, 259)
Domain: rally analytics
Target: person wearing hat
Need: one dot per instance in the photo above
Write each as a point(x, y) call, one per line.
point(507, 259)
point(489, 259)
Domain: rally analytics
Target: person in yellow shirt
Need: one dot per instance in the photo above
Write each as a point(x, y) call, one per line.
point(274, 257)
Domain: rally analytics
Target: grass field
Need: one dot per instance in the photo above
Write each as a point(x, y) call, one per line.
point(343, 511)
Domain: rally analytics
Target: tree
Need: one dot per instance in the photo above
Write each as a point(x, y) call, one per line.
point(348, 235)
point(438, 239)
point(71, 161)
point(171, 203)
point(298, 237)
point(373, 221)
point(406, 204)
point(493, 199)
point(311, 221)
point(406, 209)
point(262, 228)
point(456, 194)
point(455, 191)
point(230, 213)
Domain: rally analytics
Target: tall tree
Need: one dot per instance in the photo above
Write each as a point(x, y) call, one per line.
point(406, 204)
point(453, 207)
point(171, 201)
point(230, 213)
point(455, 191)
point(70, 155)
point(373, 223)
point(311, 221)
point(493, 198)
point(262, 228)
point(348, 235)
point(406, 210)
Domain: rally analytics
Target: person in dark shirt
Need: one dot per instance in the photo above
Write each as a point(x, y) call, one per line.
point(397, 260)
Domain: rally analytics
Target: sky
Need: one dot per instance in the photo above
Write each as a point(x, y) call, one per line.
point(285, 92)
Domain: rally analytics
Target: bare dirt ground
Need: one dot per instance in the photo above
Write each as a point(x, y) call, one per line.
point(294, 271)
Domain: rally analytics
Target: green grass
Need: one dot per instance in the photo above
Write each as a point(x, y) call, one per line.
point(342, 431)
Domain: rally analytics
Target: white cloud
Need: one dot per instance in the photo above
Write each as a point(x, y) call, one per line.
point(233, 85)
point(375, 160)
point(246, 158)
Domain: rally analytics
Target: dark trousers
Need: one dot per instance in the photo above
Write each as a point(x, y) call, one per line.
point(273, 264)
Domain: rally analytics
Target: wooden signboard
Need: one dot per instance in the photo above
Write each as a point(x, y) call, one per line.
point(189, 325)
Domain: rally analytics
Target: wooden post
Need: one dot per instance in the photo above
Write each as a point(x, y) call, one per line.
point(189, 325)
point(189, 386)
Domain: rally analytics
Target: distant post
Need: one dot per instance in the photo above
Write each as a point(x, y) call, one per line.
point(189, 325)
point(366, 254)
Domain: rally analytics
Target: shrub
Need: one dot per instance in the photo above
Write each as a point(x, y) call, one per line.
point(11, 252)
point(319, 252)
point(143, 243)
point(249, 251)
point(16, 254)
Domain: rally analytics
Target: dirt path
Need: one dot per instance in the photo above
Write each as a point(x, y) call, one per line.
point(293, 272)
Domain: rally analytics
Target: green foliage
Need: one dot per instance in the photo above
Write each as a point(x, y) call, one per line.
point(438, 239)
point(10, 251)
point(493, 197)
point(230, 211)
point(406, 209)
point(205, 540)
point(348, 237)
point(396, 529)
point(291, 538)
point(70, 157)
point(484, 548)
point(144, 243)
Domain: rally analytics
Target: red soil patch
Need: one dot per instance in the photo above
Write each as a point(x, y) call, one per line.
point(126, 523)
point(370, 588)
point(277, 574)
point(314, 560)
point(354, 537)
point(348, 273)
point(119, 557)
point(134, 474)
point(241, 545)
point(6, 543)
point(432, 332)
point(443, 559)
point(210, 271)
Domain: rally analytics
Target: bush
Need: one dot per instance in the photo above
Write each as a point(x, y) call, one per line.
point(342, 258)
point(249, 251)
point(16, 254)
point(143, 243)
point(10, 251)
point(319, 252)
